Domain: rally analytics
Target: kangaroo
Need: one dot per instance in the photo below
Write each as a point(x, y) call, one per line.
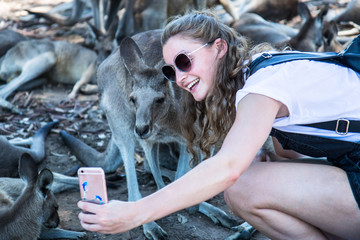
point(330, 42)
point(144, 15)
point(272, 10)
point(9, 156)
point(24, 218)
point(59, 61)
point(139, 15)
point(99, 13)
point(350, 13)
point(76, 11)
point(28, 210)
point(307, 38)
point(143, 108)
point(9, 159)
point(60, 184)
point(8, 39)
point(176, 7)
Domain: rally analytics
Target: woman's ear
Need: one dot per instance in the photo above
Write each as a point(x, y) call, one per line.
point(221, 46)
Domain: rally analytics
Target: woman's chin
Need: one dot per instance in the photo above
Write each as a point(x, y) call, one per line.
point(198, 97)
point(197, 93)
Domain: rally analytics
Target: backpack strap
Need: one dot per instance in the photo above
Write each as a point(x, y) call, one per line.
point(341, 126)
point(349, 57)
point(267, 59)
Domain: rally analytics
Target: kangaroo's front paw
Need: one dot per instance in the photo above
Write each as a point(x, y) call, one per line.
point(243, 232)
point(154, 232)
point(217, 215)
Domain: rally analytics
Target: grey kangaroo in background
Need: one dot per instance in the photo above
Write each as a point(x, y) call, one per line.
point(57, 61)
point(141, 107)
point(13, 149)
point(308, 38)
point(10, 154)
point(350, 13)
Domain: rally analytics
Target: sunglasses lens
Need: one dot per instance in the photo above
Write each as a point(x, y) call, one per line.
point(183, 62)
point(169, 73)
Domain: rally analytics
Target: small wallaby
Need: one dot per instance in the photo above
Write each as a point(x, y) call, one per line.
point(36, 206)
point(28, 207)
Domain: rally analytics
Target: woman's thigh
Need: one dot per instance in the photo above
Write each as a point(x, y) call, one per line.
point(317, 194)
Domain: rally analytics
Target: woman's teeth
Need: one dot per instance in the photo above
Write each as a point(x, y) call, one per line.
point(193, 83)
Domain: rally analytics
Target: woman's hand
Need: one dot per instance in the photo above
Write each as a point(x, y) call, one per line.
point(113, 217)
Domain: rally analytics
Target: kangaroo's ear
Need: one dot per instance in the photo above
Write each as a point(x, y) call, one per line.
point(45, 181)
point(324, 10)
point(330, 31)
point(304, 11)
point(131, 55)
point(28, 169)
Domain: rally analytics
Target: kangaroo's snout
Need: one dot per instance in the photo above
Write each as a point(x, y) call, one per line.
point(143, 131)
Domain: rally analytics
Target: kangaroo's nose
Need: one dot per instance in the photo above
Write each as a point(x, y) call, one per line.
point(142, 131)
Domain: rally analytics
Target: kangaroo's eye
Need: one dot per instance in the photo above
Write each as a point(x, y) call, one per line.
point(132, 100)
point(160, 100)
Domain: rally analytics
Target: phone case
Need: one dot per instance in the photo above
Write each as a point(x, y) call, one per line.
point(92, 185)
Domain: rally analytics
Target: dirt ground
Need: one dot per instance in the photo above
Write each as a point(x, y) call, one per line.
point(85, 120)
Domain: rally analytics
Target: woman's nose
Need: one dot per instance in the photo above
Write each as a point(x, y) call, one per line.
point(180, 77)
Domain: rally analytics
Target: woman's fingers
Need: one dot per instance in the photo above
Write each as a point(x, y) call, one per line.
point(88, 207)
point(88, 217)
point(90, 227)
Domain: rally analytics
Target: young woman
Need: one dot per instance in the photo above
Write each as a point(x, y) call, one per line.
point(283, 200)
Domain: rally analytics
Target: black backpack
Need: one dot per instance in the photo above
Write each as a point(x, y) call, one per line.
point(350, 57)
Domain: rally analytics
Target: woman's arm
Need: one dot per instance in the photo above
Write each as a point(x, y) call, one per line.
point(252, 126)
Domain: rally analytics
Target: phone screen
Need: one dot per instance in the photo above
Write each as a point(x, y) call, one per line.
point(92, 185)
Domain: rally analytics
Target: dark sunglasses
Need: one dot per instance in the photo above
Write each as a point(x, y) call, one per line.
point(182, 62)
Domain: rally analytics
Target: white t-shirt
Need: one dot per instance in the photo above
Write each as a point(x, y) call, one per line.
point(313, 92)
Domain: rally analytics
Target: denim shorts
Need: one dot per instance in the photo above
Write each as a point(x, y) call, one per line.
point(342, 154)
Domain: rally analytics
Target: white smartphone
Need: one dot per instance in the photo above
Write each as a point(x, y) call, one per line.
point(92, 185)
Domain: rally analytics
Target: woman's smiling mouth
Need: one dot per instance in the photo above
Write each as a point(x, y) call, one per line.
point(192, 84)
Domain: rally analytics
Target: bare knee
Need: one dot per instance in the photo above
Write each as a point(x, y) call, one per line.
point(229, 198)
point(237, 199)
